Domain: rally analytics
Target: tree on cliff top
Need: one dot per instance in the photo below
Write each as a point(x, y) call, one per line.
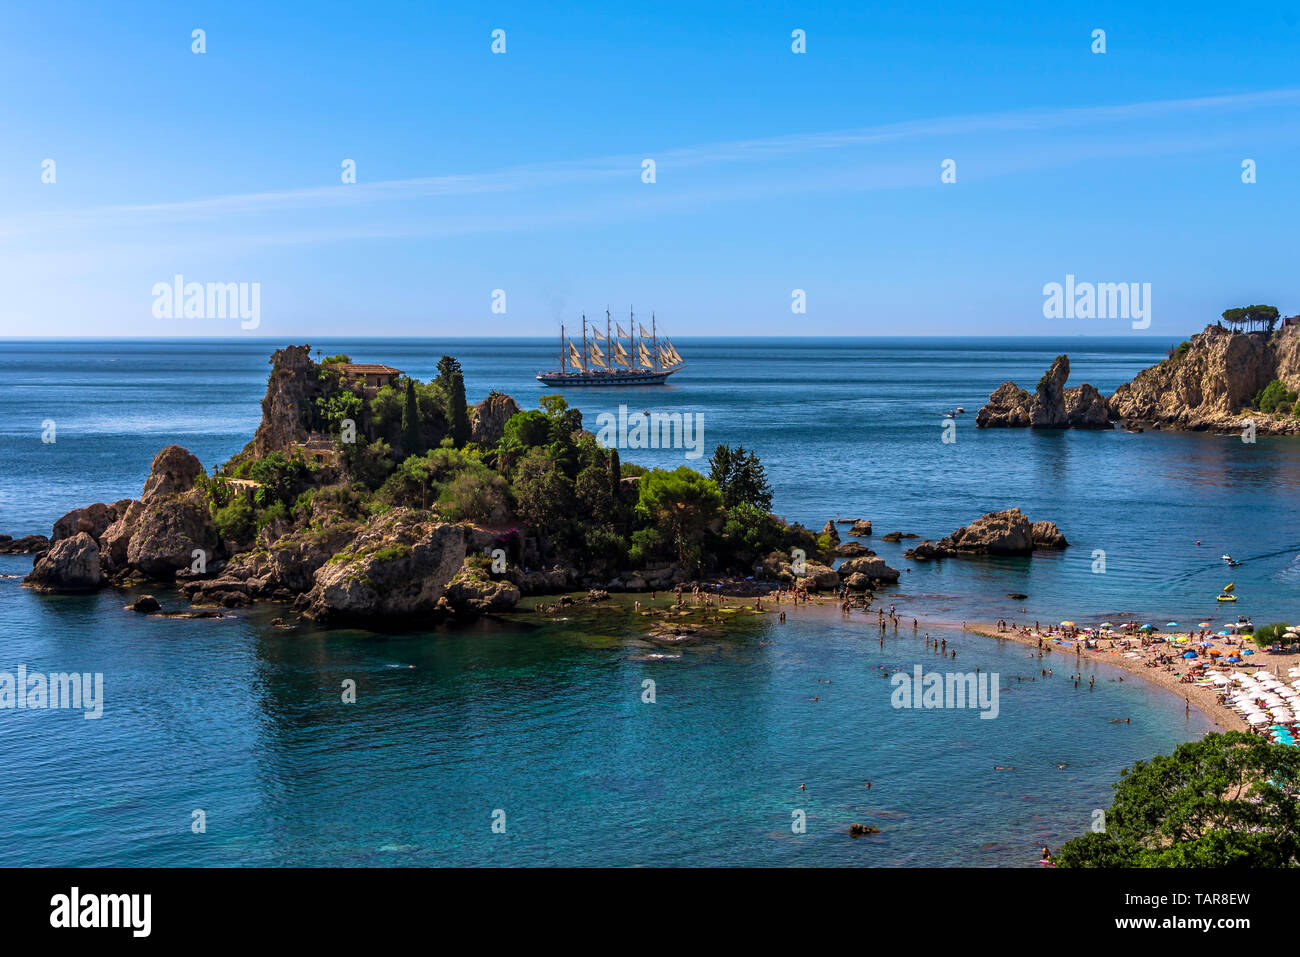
point(1228, 800)
point(1252, 315)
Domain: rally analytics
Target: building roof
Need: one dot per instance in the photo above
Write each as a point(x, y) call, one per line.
point(368, 368)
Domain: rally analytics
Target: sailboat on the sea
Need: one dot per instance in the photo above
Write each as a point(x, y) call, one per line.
point(648, 359)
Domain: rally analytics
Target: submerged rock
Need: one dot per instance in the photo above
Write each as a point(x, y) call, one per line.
point(852, 550)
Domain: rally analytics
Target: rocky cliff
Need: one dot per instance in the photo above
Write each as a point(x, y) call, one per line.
point(291, 387)
point(1212, 383)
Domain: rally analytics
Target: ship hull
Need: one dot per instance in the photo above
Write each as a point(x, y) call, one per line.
point(644, 377)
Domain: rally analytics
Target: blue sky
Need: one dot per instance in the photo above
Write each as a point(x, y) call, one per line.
point(775, 171)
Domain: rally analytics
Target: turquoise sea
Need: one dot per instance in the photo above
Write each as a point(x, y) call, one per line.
point(544, 720)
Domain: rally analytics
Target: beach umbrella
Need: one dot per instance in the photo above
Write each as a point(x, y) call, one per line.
point(1171, 624)
point(1147, 628)
point(1204, 624)
point(1247, 651)
point(1067, 624)
point(1215, 653)
point(1107, 624)
point(1190, 654)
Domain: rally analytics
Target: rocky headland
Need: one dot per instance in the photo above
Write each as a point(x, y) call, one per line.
point(1212, 382)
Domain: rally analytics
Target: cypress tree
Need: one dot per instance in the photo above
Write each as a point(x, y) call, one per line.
point(410, 422)
point(457, 413)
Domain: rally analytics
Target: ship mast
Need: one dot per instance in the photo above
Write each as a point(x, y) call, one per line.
point(631, 334)
point(654, 337)
point(563, 358)
point(609, 347)
point(584, 342)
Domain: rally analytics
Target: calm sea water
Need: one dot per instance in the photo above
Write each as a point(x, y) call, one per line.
point(545, 720)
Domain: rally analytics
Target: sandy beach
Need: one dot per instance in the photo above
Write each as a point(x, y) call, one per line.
point(1135, 657)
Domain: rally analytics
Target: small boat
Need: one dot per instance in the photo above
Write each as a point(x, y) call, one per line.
point(1226, 558)
point(1227, 598)
point(960, 410)
point(1233, 563)
point(1227, 589)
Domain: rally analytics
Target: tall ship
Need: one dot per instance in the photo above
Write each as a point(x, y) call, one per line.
point(648, 359)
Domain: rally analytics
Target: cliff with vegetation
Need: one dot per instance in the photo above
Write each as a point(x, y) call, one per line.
point(357, 502)
point(1218, 380)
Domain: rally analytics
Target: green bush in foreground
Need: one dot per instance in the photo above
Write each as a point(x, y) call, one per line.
point(1228, 800)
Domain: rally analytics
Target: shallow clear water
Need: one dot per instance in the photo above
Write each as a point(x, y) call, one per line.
point(545, 720)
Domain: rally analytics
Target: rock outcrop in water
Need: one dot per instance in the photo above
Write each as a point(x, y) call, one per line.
point(26, 545)
point(1051, 406)
point(70, 565)
point(1008, 532)
point(155, 537)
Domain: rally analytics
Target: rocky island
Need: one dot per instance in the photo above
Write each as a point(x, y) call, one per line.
point(367, 494)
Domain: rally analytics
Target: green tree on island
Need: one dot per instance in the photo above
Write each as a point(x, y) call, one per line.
point(740, 477)
point(1228, 800)
point(681, 504)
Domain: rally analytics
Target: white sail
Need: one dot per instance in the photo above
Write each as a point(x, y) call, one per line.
point(619, 355)
point(643, 356)
point(575, 357)
point(597, 334)
point(644, 334)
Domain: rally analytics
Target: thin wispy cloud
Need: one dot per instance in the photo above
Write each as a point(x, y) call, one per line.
point(547, 178)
